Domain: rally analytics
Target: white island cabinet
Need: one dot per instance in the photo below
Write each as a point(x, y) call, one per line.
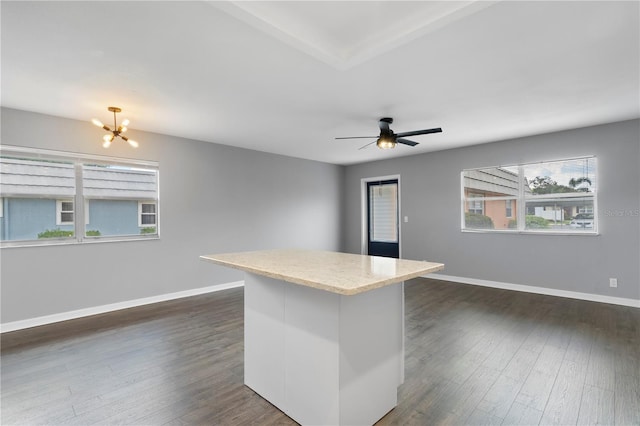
point(324, 331)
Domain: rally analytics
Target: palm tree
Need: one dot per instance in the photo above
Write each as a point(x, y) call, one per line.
point(574, 183)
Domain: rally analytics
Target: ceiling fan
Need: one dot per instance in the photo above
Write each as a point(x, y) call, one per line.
point(388, 139)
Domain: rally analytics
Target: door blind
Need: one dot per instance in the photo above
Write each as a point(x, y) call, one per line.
point(383, 213)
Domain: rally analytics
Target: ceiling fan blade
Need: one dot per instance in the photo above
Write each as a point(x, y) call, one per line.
point(406, 142)
point(420, 132)
point(358, 137)
point(364, 146)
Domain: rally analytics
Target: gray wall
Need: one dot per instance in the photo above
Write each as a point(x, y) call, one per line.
point(213, 198)
point(430, 196)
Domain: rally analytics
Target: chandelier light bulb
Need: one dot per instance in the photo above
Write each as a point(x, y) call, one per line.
point(117, 130)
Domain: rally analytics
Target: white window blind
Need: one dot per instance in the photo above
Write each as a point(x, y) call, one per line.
point(383, 211)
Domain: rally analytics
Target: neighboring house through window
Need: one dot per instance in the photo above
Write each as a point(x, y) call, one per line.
point(551, 196)
point(48, 197)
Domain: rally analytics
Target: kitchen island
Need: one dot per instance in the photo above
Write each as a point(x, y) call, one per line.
point(324, 331)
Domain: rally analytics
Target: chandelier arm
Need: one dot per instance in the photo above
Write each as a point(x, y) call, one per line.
point(116, 131)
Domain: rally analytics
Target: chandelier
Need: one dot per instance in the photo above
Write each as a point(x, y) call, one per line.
point(117, 131)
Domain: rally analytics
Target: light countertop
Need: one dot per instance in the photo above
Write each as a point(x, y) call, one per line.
point(341, 273)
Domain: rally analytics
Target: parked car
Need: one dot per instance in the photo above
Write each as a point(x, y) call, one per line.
point(582, 221)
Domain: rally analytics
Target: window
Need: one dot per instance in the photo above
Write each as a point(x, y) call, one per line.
point(146, 214)
point(554, 196)
point(49, 196)
point(64, 212)
point(509, 208)
point(118, 197)
point(475, 204)
point(33, 189)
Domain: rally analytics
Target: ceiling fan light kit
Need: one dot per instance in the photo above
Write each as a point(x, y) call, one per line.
point(117, 131)
point(386, 142)
point(388, 139)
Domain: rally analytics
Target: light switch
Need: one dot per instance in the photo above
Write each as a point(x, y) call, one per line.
point(406, 219)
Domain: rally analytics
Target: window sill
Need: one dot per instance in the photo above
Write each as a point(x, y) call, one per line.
point(73, 241)
point(516, 232)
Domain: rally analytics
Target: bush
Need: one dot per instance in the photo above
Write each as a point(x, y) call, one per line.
point(59, 233)
point(55, 233)
point(148, 230)
point(535, 222)
point(531, 222)
point(477, 221)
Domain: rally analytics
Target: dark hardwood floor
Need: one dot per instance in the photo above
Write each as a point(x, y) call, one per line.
point(474, 356)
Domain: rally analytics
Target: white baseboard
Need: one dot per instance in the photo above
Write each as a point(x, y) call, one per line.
point(539, 290)
point(64, 316)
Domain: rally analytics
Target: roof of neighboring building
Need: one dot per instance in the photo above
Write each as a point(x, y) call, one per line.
point(496, 180)
point(20, 177)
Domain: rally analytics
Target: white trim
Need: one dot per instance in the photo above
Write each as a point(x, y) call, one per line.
point(634, 303)
point(155, 214)
point(64, 316)
point(69, 241)
point(73, 156)
point(59, 211)
point(515, 231)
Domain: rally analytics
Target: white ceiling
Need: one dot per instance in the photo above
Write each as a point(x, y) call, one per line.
point(289, 77)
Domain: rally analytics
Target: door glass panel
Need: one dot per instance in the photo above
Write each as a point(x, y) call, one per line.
point(383, 213)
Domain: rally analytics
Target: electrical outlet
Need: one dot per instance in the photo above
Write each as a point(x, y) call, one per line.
point(613, 282)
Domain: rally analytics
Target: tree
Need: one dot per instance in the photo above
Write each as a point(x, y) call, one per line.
point(575, 183)
point(546, 185)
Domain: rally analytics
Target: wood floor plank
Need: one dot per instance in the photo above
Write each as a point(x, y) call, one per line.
point(566, 395)
point(521, 364)
point(536, 390)
point(627, 400)
point(522, 415)
point(474, 355)
point(597, 407)
point(499, 398)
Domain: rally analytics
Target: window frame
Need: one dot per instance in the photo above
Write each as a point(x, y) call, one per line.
point(60, 211)
point(522, 198)
point(141, 213)
point(474, 197)
point(80, 204)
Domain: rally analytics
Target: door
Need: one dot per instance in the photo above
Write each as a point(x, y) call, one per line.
point(383, 234)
